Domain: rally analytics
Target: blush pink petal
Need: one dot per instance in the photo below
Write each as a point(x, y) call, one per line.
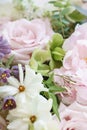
point(80, 33)
point(82, 95)
point(25, 36)
point(73, 117)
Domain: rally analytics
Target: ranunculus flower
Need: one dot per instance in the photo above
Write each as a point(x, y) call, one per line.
point(73, 117)
point(25, 36)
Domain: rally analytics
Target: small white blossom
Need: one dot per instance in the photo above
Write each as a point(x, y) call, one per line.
point(34, 113)
point(30, 85)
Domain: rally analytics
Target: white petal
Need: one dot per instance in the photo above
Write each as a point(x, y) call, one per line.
point(13, 81)
point(29, 74)
point(21, 98)
point(18, 124)
point(53, 124)
point(18, 113)
point(44, 112)
point(34, 89)
point(8, 91)
point(40, 125)
point(35, 79)
point(20, 73)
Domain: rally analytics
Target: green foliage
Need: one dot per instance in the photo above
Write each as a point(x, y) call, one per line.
point(66, 16)
point(57, 40)
point(9, 61)
point(58, 54)
point(77, 16)
point(55, 104)
point(44, 61)
point(39, 60)
point(53, 88)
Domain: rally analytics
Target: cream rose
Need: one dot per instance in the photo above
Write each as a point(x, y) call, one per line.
point(25, 36)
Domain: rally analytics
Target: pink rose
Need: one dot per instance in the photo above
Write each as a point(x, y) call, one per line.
point(73, 117)
point(82, 95)
point(25, 36)
point(75, 62)
point(78, 36)
point(73, 74)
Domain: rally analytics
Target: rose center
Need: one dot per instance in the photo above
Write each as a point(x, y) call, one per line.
point(33, 118)
point(21, 88)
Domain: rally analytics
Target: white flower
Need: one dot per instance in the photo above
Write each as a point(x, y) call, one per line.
point(34, 113)
point(30, 86)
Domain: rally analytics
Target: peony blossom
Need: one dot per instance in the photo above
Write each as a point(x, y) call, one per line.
point(73, 117)
point(25, 36)
point(31, 85)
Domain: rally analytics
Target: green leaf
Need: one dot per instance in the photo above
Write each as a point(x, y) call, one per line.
point(59, 4)
point(52, 86)
point(9, 62)
point(81, 10)
point(49, 82)
point(77, 16)
point(58, 53)
point(67, 10)
point(55, 104)
point(56, 89)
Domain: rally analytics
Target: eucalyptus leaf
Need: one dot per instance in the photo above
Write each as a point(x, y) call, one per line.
point(67, 10)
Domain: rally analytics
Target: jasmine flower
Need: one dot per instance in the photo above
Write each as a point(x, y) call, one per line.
point(30, 85)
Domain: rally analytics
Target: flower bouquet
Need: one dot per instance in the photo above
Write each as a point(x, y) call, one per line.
point(43, 65)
